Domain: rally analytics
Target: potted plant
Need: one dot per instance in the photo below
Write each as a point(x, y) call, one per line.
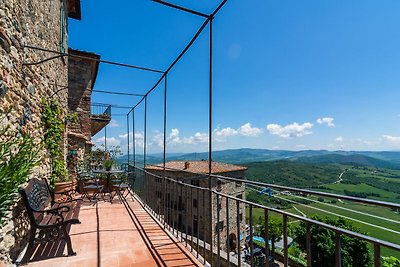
point(107, 164)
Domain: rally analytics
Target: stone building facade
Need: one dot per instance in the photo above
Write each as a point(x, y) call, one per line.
point(82, 73)
point(188, 209)
point(37, 23)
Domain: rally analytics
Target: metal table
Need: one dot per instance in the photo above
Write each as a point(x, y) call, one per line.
point(108, 178)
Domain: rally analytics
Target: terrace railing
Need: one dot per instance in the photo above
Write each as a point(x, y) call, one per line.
point(98, 110)
point(199, 228)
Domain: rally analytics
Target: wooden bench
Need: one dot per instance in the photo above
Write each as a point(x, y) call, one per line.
point(50, 220)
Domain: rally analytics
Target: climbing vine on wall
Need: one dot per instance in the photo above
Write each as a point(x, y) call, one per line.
point(18, 156)
point(53, 138)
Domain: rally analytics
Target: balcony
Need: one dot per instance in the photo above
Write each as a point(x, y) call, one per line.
point(100, 116)
point(117, 234)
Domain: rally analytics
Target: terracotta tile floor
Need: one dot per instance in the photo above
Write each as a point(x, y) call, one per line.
point(117, 235)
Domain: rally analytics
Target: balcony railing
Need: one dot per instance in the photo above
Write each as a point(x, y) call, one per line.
point(99, 111)
point(210, 222)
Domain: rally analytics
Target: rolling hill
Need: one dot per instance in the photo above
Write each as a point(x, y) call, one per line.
point(386, 159)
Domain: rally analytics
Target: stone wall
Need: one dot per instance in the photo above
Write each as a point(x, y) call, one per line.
point(22, 88)
point(81, 78)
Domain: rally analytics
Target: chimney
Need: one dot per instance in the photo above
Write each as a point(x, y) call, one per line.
point(187, 165)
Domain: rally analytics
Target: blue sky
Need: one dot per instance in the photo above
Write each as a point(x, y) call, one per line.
point(288, 74)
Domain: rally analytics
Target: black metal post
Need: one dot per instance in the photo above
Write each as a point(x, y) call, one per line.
point(133, 138)
point(198, 222)
point(165, 138)
point(285, 241)
point(228, 248)
point(238, 233)
point(105, 138)
point(266, 236)
point(338, 256)
point(219, 203)
point(191, 219)
point(377, 255)
point(308, 243)
point(145, 133)
point(204, 225)
point(210, 142)
point(127, 131)
point(251, 236)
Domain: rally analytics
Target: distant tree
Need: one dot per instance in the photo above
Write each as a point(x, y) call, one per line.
point(275, 231)
point(354, 252)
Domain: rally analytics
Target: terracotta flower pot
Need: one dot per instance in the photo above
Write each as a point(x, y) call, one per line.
point(65, 186)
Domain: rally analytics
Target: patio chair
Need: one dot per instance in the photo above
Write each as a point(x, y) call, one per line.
point(92, 188)
point(124, 184)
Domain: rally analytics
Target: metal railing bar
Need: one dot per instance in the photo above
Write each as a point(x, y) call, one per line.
point(339, 215)
point(88, 58)
point(191, 219)
point(251, 236)
point(204, 224)
point(181, 8)
point(305, 191)
point(328, 226)
point(335, 229)
point(266, 237)
point(338, 256)
point(285, 240)
point(227, 242)
point(218, 231)
point(44, 60)
point(116, 93)
point(238, 232)
point(110, 105)
point(377, 255)
point(308, 244)
point(342, 208)
point(198, 220)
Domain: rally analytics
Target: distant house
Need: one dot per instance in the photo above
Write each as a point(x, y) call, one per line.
point(186, 207)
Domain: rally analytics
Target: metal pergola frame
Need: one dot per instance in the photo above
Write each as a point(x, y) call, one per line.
point(164, 74)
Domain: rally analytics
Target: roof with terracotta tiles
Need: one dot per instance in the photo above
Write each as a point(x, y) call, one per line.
point(197, 166)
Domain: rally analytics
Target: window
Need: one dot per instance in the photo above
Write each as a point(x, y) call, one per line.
point(195, 202)
point(220, 226)
point(63, 27)
point(240, 217)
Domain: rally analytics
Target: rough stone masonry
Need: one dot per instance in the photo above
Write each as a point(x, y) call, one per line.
point(40, 23)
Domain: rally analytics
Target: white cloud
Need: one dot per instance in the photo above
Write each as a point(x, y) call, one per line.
point(247, 130)
point(394, 140)
point(244, 130)
point(173, 137)
point(198, 138)
point(225, 132)
point(300, 146)
point(290, 130)
point(326, 120)
point(339, 139)
point(113, 124)
point(157, 139)
point(139, 138)
point(111, 141)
